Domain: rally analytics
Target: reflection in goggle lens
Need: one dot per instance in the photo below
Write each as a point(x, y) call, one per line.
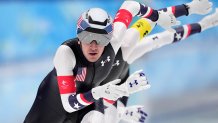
point(88, 37)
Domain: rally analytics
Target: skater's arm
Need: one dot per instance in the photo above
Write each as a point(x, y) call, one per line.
point(64, 63)
point(133, 35)
point(161, 39)
point(177, 11)
point(201, 7)
point(143, 26)
point(130, 9)
point(123, 18)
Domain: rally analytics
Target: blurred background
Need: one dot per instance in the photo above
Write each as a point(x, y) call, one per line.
point(183, 76)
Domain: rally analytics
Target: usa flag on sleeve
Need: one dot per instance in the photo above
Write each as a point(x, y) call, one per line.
point(81, 74)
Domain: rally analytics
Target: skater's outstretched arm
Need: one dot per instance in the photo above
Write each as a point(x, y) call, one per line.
point(200, 7)
point(130, 9)
point(167, 37)
point(143, 26)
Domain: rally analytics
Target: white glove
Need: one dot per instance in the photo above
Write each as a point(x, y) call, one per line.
point(135, 83)
point(133, 114)
point(166, 20)
point(201, 7)
point(110, 91)
point(209, 21)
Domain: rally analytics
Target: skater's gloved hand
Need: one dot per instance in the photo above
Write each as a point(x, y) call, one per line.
point(201, 7)
point(135, 83)
point(110, 91)
point(132, 113)
point(209, 21)
point(166, 20)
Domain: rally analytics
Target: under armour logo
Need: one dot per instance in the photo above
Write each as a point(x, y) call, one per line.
point(154, 38)
point(134, 83)
point(117, 63)
point(141, 74)
point(105, 61)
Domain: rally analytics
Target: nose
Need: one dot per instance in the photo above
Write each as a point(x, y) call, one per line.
point(93, 45)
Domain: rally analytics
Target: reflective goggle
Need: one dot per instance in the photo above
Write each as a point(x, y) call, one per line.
point(88, 37)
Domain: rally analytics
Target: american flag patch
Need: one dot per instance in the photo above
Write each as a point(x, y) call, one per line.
point(81, 74)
